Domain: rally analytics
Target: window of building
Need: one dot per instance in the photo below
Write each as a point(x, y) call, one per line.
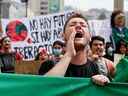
point(126, 10)
point(126, 5)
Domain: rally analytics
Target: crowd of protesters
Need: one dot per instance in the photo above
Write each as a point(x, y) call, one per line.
point(80, 55)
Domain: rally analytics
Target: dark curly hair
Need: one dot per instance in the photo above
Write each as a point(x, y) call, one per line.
point(75, 15)
point(97, 38)
point(58, 43)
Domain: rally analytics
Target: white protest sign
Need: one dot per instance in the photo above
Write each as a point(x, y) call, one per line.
point(29, 34)
point(101, 28)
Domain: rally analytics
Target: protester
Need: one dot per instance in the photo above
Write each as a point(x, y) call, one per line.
point(7, 56)
point(42, 55)
point(122, 48)
point(57, 54)
point(74, 62)
point(109, 51)
point(121, 53)
point(119, 29)
point(57, 51)
point(105, 66)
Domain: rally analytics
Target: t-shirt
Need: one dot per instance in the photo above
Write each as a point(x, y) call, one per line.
point(7, 62)
point(86, 70)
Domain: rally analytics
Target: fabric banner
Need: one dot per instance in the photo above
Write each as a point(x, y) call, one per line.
point(26, 85)
point(122, 70)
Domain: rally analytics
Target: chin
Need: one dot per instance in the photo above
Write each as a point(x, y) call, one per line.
point(79, 46)
point(7, 47)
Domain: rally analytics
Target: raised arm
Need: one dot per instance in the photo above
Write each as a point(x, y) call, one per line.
point(61, 67)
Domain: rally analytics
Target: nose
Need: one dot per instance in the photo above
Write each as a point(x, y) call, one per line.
point(98, 46)
point(78, 27)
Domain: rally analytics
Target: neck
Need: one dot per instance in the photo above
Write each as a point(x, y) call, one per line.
point(119, 26)
point(6, 50)
point(80, 58)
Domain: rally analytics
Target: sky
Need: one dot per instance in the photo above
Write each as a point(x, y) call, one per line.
point(87, 4)
point(126, 5)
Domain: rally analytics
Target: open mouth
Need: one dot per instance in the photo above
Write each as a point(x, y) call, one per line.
point(78, 35)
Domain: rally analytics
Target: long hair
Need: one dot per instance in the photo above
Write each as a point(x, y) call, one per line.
point(114, 14)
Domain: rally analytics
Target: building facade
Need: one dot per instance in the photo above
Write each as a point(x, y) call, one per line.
point(44, 7)
point(38, 7)
point(4, 8)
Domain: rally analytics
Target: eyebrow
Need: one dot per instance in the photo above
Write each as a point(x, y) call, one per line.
point(73, 22)
point(77, 22)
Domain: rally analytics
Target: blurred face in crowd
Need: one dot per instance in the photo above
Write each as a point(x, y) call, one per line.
point(119, 20)
point(6, 43)
point(57, 50)
point(82, 37)
point(98, 47)
point(43, 56)
point(123, 49)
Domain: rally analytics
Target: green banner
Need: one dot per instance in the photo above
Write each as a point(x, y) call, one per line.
point(26, 85)
point(122, 70)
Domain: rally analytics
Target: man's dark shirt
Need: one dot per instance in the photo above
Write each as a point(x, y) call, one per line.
point(86, 70)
